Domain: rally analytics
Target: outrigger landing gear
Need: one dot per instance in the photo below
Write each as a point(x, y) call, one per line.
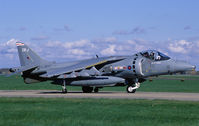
point(132, 89)
point(64, 90)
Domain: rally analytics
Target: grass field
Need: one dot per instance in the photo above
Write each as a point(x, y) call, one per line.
point(16, 83)
point(97, 112)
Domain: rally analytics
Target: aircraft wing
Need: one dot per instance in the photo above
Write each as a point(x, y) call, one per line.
point(83, 68)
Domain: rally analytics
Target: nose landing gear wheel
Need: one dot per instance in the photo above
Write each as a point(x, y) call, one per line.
point(130, 89)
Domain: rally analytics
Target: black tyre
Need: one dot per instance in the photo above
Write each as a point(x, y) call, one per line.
point(96, 90)
point(87, 89)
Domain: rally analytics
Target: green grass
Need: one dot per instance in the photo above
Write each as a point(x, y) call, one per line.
point(96, 112)
point(170, 86)
point(16, 83)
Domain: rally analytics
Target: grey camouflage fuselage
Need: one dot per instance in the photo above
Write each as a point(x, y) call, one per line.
point(97, 72)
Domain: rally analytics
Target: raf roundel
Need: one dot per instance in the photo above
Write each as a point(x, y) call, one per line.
point(129, 67)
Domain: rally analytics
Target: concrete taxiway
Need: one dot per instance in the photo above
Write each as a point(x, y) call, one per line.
point(111, 95)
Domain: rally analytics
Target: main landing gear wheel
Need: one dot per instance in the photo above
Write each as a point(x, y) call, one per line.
point(96, 90)
point(87, 89)
point(130, 89)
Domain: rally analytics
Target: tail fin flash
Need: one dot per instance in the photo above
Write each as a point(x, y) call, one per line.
point(27, 56)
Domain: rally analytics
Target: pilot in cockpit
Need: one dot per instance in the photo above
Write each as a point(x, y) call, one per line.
point(152, 54)
point(155, 55)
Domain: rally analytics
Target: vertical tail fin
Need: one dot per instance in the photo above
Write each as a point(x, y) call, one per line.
point(27, 56)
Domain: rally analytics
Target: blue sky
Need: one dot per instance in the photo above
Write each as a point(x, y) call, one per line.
point(71, 30)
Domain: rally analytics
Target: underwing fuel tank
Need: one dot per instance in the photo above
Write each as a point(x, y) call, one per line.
point(95, 81)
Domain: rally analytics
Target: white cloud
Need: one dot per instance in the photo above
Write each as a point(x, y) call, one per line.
point(177, 49)
point(138, 45)
point(11, 42)
point(12, 50)
point(109, 51)
point(9, 46)
point(77, 52)
point(110, 39)
point(53, 44)
point(80, 43)
point(131, 42)
point(72, 50)
point(197, 43)
point(69, 45)
point(181, 46)
point(8, 53)
point(84, 48)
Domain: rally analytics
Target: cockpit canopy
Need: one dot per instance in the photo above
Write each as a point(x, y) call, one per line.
point(154, 55)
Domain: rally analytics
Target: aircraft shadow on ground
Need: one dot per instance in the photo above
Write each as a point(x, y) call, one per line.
point(73, 92)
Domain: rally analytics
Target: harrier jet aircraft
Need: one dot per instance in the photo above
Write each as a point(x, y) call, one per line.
point(95, 73)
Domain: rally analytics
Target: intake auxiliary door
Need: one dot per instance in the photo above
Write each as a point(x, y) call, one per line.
point(146, 66)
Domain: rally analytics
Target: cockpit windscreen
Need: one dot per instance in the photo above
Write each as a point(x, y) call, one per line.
point(155, 55)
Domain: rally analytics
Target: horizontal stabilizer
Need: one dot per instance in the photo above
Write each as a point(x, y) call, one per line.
point(17, 70)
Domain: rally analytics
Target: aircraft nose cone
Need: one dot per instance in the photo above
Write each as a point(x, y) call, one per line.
point(189, 67)
point(193, 68)
point(183, 66)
